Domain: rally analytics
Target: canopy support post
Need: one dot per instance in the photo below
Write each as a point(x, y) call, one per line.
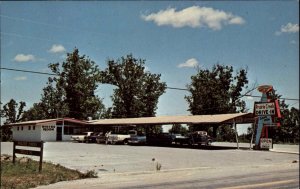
point(236, 135)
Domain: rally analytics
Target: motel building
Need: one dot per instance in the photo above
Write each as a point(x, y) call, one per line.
point(60, 129)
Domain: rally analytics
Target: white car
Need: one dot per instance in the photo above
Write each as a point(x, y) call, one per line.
point(119, 138)
point(81, 137)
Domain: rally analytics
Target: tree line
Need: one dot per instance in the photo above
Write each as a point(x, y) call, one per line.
point(71, 92)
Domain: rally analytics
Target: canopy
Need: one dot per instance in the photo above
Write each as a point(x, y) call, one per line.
point(191, 119)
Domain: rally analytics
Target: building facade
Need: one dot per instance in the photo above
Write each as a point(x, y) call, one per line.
point(60, 129)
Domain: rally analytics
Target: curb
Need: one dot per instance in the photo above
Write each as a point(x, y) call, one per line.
point(286, 152)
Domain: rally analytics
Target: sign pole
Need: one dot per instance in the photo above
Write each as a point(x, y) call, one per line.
point(41, 157)
point(14, 153)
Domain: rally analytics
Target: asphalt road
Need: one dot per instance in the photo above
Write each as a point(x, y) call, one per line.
point(122, 166)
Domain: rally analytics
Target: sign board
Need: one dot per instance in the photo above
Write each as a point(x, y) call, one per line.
point(264, 109)
point(29, 152)
point(266, 143)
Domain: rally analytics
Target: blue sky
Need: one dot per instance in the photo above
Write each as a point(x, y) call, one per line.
point(172, 36)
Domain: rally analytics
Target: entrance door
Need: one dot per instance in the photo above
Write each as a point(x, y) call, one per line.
point(58, 133)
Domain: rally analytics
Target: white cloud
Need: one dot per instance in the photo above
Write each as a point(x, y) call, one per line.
point(24, 58)
point(288, 28)
point(293, 42)
point(194, 17)
point(21, 78)
point(190, 63)
point(57, 49)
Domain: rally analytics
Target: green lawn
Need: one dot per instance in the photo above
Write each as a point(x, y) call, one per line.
point(24, 174)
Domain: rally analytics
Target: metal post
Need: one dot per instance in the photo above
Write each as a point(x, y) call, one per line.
point(236, 135)
point(253, 130)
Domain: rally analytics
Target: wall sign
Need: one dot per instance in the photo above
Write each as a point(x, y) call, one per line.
point(48, 128)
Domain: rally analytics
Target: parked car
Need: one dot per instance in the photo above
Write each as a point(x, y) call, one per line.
point(200, 138)
point(114, 138)
point(160, 139)
point(81, 137)
point(91, 138)
point(101, 138)
point(180, 139)
point(139, 139)
point(194, 138)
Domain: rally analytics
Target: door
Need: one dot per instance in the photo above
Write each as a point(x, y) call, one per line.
point(58, 133)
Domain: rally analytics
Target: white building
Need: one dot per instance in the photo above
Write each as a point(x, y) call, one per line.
point(59, 129)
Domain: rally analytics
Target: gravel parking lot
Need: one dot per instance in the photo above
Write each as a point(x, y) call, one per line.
point(123, 166)
point(106, 159)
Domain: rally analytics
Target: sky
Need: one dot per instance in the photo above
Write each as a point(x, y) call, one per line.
point(174, 37)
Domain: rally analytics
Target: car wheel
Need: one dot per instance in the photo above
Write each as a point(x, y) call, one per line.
point(208, 143)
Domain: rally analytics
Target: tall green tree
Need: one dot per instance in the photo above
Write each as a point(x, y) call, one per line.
point(217, 91)
point(288, 132)
point(137, 91)
point(52, 103)
point(76, 82)
point(12, 112)
point(179, 129)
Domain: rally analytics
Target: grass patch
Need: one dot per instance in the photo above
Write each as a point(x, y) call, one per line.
point(24, 174)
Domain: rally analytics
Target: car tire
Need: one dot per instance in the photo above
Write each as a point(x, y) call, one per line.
point(208, 143)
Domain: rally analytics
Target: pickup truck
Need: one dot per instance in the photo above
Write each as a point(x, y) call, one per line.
point(114, 138)
point(81, 137)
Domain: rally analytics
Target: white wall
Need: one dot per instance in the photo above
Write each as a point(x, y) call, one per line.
point(42, 132)
point(34, 134)
point(48, 131)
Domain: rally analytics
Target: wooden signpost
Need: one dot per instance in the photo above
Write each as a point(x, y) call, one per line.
point(29, 152)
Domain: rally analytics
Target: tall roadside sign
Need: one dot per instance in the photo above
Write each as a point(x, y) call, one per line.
point(267, 114)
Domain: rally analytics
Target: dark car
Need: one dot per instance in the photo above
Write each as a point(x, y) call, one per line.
point(200, 138)
point(101, 138)
point(160, 139)
point(194, 138)
point(91, 138)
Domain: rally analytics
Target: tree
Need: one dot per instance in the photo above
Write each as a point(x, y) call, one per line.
point(75, 87)
point(226, 133)
point(178, 129)
point(52, 103)
point(138, 91)
point(217, 91)
point(12, 112)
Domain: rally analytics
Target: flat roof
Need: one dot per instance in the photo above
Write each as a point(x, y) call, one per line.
point(190, 119)
point(34, 122)
point(160, 120)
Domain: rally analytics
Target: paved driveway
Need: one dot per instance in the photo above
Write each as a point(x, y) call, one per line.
point(106, 159)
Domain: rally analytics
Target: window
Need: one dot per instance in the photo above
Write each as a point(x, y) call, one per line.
point(22, 128)
point(33, 127)
point(29, 127)
point(18, 128)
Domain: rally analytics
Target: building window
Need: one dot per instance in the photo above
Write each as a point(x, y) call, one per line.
point(18, 128)
point(33, 127)
point(29, 127)
point(22, 128)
